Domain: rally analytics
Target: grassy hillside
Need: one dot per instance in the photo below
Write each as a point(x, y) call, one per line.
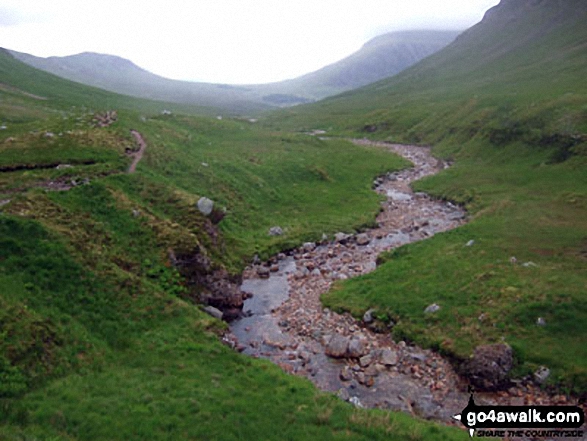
point(100, 337)
point(122, 76)
point(508, 102)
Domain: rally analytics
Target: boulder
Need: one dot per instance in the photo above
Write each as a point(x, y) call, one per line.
point(368, 316)
point(489, 366)
point(366, 360)
point(214, 312)
point(337, 346)
point(363, 239)
point(275, 231)
point(357, 348)
point(346, 374)
point(341, 237)
point(205, 206)
point(432, 309)
point(263, 272)
point(343, 394)
point(388, 357)
point(541, 375)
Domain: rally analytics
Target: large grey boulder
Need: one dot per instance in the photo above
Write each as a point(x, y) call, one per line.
point(489, 366)
point(357, 347)
point(205, 206)
point(337, 346)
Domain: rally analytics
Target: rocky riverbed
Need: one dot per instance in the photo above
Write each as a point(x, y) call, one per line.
point(286, 323)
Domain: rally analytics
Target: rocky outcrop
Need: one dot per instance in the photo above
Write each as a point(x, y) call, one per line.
point(489, 366)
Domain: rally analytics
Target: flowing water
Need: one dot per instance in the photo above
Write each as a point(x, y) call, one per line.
point(286, 323)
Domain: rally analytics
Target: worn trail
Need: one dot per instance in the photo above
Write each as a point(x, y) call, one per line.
point(286, 322)
point(138, 155)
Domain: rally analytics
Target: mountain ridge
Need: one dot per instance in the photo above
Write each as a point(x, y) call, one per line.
point(379, 58)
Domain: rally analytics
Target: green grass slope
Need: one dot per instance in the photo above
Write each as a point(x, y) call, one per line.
point(508, 102)
point(122, 76)
point(100, 338)
point(31, 91)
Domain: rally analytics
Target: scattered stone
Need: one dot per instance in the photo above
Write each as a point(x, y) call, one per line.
point(3, 127)
point(341, 237)
point(432, 309)
point(388, 357)
point(49, 135)
point(337, 346)
point(308, 247)
point(489, 366)
point(419, 356)
point(343, 394)
point(263, 272)
point(4, 202)
point(368, 316)
point(363, 239)
point(136, 213)
point(346, 374)
point(513, 260)
point(540, 321)
point(366, 360)
point(541, 375)
point(357, 348)
point(470, 243)
point(205, 164)
point(274, 268)
point(205, 206)
point(356, 402)
point(214, 312)
point(529, 264)
point(456, 216)
point(275, 231)
point(63, 166)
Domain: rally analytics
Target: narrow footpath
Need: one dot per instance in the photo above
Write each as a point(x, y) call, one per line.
point(138, 155)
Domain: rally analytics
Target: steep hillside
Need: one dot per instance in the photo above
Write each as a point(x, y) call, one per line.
point(381, 57)
point(507, 102)
point(527, 56)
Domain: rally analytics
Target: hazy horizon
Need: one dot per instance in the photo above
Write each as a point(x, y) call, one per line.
point(227, 42)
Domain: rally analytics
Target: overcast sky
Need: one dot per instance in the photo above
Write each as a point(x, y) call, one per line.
point(222, 41)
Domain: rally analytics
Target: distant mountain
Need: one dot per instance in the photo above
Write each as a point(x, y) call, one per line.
point(381, 57)
point(119, 75)
point(520, 71)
